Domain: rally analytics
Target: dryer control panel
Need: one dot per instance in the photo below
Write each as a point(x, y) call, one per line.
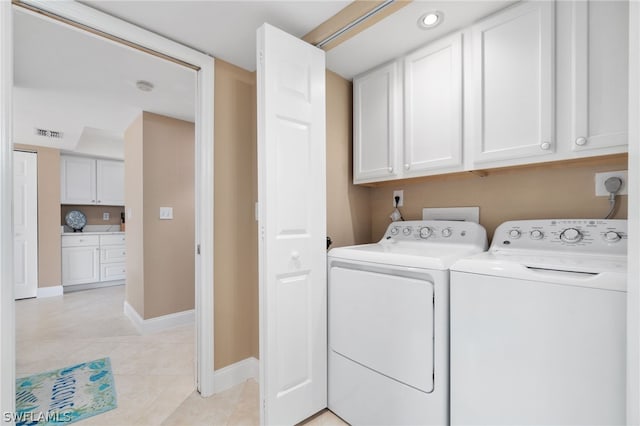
point(441, 231)
point(588, 236)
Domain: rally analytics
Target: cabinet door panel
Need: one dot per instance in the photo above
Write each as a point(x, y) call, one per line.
point(513, 83)
point(113, 271)
point(600, 74)
point(375, 122)
point(80, 265)
point(110, 182)
point(77, 180)
point(433, 106)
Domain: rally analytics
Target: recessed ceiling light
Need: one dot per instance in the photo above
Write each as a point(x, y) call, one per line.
point(431, 19)
point(145, 86)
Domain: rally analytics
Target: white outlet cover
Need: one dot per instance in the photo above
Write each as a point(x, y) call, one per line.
point(600, 178)
point(105, 216)
point(166, 213)
point(398, 193)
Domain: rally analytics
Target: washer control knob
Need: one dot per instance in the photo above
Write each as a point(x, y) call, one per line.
point(612, 237)
point(536, 234)
point(571, 235)
point(406, 231)
point(446, 232)
point(514, 233)
point(395, 230)
point(425, 232)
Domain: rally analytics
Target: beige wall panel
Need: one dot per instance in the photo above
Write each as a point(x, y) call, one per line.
point(94, 213)
point(235, 227)
point(561, 190)
point(133, 169)
point(49, 251)
point(169, 245)
point(348, 205)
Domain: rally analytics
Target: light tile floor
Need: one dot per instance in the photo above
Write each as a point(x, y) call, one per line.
point(154, 373)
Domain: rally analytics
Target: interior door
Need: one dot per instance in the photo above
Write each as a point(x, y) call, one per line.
point(292, 223)
point(25, 224)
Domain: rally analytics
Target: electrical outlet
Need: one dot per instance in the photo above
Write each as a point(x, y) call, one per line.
point(398, 193)
point(601, 191)
point(105, 216)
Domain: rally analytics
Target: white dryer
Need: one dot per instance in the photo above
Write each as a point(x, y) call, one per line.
point(538, 326)
point(389, 323)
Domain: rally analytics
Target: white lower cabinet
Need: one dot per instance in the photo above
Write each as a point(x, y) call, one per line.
point(90, 259)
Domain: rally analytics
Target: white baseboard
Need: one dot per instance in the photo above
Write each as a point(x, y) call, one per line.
point(52, 291)
point(234, 374)
point(164, 322)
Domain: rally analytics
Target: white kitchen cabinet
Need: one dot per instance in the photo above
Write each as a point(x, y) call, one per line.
point(433, 108)
point(376, 124)
point(600, 75)
point(113, 255)
point(91, 181)
point(513, 85)
point(80, 259)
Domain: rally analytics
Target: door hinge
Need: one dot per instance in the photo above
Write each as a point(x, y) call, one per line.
point(198, 249)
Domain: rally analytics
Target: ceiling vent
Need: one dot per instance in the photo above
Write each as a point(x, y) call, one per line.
point(53, 134)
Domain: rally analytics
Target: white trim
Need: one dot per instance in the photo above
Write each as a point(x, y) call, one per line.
point(161, 323)
point(92, 18)
point(7, 303)
point(53, 291)
point(234, 374)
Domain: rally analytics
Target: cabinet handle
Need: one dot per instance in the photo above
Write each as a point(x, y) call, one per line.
point(581, 141)
point(99, 201)
point(545, 146)
point(407, 166)
point(390, 169)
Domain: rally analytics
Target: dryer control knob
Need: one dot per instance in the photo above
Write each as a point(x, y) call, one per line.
point(395, 230)
point(612, 237)
point(446, 232)
point(425, 232)
point(406, 231)
point(571, 235)
point(514, 233)
point(536, 234)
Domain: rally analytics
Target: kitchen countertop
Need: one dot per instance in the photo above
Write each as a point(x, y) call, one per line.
point(93, 230)
point(93, 233)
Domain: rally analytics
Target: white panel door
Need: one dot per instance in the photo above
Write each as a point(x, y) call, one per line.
point(376, 124)
point(513, 60)
point(110, 182)
point(25, 224)
point(433, 107)
point(77, 180)
point(292, 204)
point(600, 74)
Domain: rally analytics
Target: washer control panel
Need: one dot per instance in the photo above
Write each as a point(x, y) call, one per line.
point(436, 231)
point(570, 235)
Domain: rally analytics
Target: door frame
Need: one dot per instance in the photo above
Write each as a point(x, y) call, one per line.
point(204, 134)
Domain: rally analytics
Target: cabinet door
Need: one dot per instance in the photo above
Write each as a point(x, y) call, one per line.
point(77, 180)
point(80, 265)
point(113, 271)
point(513, 60)
point(110, 182)
point(376, 119)
point(433, 107)
point(600, 74)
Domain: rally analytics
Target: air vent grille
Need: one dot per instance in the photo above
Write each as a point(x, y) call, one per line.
point(53, 134)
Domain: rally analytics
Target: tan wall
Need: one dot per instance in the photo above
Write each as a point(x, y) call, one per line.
point(348, 206)
point(93, 213)
point(49, 251)
point(235, 227)
point(560, 190)
point(169, 245)
point(134, 230)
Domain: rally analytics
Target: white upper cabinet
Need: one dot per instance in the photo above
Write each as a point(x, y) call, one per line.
point(599, 75)
point(376, 124)
point(110, 182)
point(433, 108)
point(77, 180)
point(513, 84)
point(90, 181)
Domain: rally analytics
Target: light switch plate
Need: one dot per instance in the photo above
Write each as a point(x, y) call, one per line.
point(166, 213)
point(468, 214)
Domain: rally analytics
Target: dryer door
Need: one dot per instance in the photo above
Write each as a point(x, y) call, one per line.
point(385, 322)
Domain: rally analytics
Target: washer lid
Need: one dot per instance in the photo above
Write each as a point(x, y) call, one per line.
point(414, 254)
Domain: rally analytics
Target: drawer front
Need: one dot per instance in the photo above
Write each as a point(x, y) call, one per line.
point(112, 240)
point(111, 254)
point(113, 271)
point(80, 240)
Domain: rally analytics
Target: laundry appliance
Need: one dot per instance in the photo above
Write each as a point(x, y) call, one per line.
point(538, 326)
point(389, 323)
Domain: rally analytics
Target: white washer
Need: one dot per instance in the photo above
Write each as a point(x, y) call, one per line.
point(389, 323)
point(538, 326)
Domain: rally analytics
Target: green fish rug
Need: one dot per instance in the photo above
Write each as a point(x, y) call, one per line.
point(65, 395)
